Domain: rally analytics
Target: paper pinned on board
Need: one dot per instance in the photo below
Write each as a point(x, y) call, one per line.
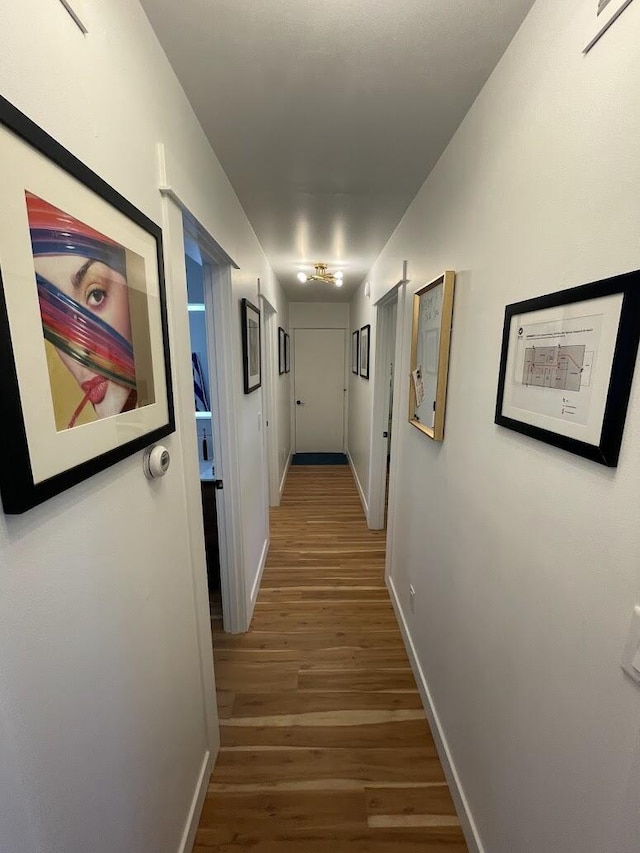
point(418, 385)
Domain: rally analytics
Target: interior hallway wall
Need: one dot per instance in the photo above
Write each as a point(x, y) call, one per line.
point(525, 558)
point(361, 313)
point(319, 315)
point(102, 725)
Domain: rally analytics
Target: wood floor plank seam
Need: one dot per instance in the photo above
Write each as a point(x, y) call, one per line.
point(324, 742)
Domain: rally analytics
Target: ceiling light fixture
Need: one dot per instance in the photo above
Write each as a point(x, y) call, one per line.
point(321, 274)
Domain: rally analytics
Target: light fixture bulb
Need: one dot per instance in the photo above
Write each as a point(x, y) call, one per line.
point(302, 277)
point(338, 274)
point(338, 282)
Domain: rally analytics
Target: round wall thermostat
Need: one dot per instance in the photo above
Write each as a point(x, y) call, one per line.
point(156, 461)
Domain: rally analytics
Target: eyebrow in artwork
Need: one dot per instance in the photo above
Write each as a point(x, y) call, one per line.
point(78, 277)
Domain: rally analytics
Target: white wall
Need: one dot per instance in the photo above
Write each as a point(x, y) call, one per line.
point(526, 559)
point(361, 313)
point(319, 315)
point(102, 717)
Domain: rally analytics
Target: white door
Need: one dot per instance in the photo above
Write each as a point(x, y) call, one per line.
point(319, 365)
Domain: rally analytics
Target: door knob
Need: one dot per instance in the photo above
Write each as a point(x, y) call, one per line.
point(299, 402)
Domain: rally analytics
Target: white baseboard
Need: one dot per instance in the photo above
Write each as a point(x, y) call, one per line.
point(286, 471)
point(467, 822)
point(365, 505)
point(255, 589)
point(195, 810)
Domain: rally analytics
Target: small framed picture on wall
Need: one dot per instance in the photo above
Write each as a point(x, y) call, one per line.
point(355, 351)
point(281, 350)
point(251, 346)
point(287, 353)
point(364, 351)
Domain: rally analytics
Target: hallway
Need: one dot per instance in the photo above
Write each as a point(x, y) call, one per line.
point(324, 743)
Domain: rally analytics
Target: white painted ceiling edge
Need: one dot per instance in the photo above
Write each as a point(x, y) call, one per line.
point(328, 118)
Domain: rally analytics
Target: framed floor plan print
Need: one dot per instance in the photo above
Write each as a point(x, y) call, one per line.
point(85, 378)
point(567, 366)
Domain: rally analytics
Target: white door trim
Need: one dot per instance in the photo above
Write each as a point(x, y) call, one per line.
point(385, 335)
point(380, 408)
point(187, 466)
point(219, 305)
point(400, 375)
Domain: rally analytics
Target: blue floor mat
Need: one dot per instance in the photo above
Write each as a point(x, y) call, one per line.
point(319, 459)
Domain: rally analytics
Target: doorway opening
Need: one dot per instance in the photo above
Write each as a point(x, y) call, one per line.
point(384, 380)
point(200, 329)
point(210, 307)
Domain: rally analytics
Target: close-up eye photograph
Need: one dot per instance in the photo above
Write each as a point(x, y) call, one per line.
point(319, 329)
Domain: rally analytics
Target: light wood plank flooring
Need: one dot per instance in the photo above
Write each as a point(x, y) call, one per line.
point(325, 746)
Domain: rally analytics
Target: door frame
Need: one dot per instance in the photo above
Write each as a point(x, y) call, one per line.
point(179, 222)
point(219, 306)
point(388, 344)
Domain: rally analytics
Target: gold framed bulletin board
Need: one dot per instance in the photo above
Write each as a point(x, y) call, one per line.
point(430, 341)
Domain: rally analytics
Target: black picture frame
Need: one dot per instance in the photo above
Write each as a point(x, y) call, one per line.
point(251, 343)
point(281, 351)
point(287, 353)
point(18, 487)
point(620, 370)
point(355, 351)
point(365, 350)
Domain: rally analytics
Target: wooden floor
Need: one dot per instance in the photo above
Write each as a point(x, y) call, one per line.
point(325, 746)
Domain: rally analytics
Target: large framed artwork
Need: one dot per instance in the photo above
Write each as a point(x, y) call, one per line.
point(365, 332)
point(85, 378)
point(252, 368)
point(430, 341)
point(605, 14)
point(567, 366)
point(281, 351)
point(355, 351)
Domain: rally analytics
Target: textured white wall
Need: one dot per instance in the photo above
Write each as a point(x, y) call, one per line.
point(526, 559)
point(319, 315)
point(102, 731)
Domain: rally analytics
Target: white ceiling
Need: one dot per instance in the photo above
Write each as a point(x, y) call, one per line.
point(328, 115)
